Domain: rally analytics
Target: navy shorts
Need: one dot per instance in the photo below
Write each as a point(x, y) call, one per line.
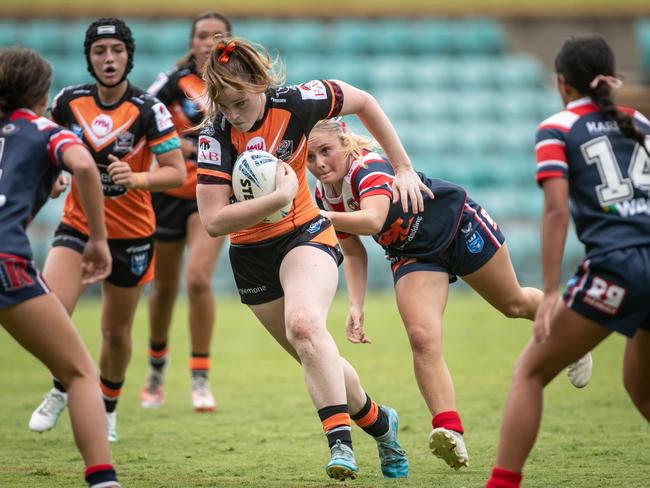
point(133, 259)
point(172, 214)
point(19, 280)
point(257, 266)
point(478, 238)
point(611, 289)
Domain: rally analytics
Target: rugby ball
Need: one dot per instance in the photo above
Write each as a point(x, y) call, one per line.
point(253, 176)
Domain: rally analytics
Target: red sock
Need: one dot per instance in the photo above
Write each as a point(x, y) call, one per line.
point(502, 478)
point(448, 420)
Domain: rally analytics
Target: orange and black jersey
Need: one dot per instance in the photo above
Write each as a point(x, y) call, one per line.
point(291, 112)
point(132, 129)
point(181, 89)
point(404, 234)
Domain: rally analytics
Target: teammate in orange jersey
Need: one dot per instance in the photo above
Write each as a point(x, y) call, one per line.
point(33, 150)
point(178, 224)
point(592, 162)
point(123, 127)
point(454, 236)
point(286, 272)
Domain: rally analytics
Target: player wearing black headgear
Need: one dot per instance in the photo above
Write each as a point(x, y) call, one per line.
point(123, 127)
point(109, 28)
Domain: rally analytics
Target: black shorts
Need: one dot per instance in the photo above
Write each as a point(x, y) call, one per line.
point(611, 289)
point(477, 240)
point(19, 280)
point(257, 266)
point(132, 258)
point(172, 214)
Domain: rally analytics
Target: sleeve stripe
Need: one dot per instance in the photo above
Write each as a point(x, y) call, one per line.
point(379, 175)
point(547, 142)
point(552, 162)
point(556, 153)
point(163, 138)
point(212, 172)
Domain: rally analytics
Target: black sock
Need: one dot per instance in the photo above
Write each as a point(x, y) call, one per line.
point(58, 385)
point(336, 424)
point(372, 419)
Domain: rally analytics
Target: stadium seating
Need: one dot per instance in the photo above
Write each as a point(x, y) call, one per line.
point(465, 108)
point(643, 41)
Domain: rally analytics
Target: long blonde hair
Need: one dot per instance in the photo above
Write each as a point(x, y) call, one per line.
point(353, 144)
point(240, 65)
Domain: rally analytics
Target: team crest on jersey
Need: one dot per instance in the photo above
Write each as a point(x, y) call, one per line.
point(352, 204)
point(163, 117)
point(285, 149)
point(209, 151)
point(314, 90)
point(102, 125)
point(315, 226)
point(475, 243)
point(123, 142)
point(256, 144)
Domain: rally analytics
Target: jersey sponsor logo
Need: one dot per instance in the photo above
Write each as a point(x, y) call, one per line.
point(101, 125)
point(475, 243)
point(396, 233)
point(630, 208)
point(209, 151)
point(285, 148)
point(163, 117)
point(313, 90)
point(604, 295)
point(123, 142)
point(191, 108)
point(256, 144)
point(109, 188)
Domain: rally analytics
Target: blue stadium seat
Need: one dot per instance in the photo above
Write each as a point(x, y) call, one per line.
point(518, 71)
point(173, 37)
point(431, 105)
point(432, 72)
point(642, 30)
point(44, 35)
point(10, 32)
point(433, 36)
point(479, 36)
point(300, 36)
point(262, 32)
point(349, 36)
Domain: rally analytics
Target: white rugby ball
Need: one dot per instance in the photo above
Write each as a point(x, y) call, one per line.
point(253, 176)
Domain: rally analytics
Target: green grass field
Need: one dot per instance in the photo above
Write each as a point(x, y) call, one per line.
point(266, 433)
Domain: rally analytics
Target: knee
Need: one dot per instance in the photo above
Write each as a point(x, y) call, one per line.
point(302, 327)
point(198, 283)
point(116, 336)
point(424, 339)
point(513, 309)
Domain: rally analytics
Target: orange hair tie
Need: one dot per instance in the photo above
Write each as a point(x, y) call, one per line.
point(225, 50)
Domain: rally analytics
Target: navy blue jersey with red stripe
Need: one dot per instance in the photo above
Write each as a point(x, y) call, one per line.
point(31, 149)
point(404, 234)
point(608, 174)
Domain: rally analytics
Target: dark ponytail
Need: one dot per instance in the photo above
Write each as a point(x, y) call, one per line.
point(25, 79)
point(581, 60)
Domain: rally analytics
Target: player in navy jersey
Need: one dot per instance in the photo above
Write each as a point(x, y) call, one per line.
point(33, 151)
point(593, 154)
point(178, 226)
point(286, 271)
point(123, 127)
point(453, 237)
